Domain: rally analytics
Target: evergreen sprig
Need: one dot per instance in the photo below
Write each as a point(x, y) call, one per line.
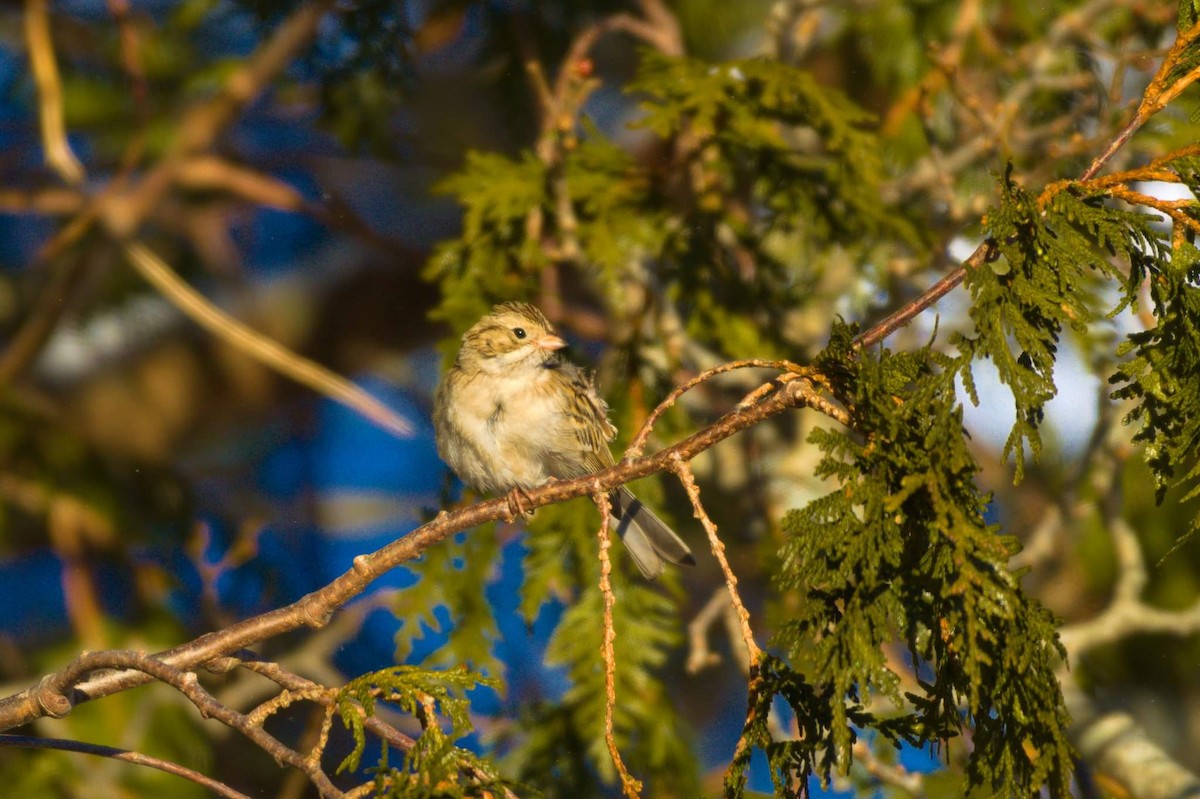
point(1160, 377)
point(900, 551)
point(434, 768)
point(1053, 259)
point(449, 599)
point(494, 258)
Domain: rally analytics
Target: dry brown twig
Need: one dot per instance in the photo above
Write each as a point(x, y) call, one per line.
point(136, 758)
point(187, 684)
point(59, 155)
point(1157, 95)
point(629, 785)
point(57, 693)
point(684, 473)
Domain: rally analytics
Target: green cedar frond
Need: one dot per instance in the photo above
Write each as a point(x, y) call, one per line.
point(1189, 15)
point(451, 584)
point(805, 149)
point(1048, 278)
point(492, 260)
point(435, 766)
point(900, 552)
point(1160, 377)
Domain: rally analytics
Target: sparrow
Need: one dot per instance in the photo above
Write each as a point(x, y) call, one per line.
point(511, 414)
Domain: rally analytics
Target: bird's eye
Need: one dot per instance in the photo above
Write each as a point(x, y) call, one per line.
point(519, 332)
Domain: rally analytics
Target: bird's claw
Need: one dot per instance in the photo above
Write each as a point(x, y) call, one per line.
point(517, 500)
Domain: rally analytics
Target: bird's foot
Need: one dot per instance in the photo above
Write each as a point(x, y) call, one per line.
point(518, 500)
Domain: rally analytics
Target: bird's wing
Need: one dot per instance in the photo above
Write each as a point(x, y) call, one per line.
point(588, 415)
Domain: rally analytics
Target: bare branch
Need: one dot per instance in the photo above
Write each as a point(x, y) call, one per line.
point(261, 348)
point(1114, 744)
point(57, 693)
point(1157, 95)
point(186, 683)
point(203, 124)
point(639, 441)
point(137, 758)
point(684, 473)
point(59, 156)
point(124, 213)
point(629, 785)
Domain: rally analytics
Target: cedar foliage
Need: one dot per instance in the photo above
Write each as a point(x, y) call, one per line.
point(899, 550)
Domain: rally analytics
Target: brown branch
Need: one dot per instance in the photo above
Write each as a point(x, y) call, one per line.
point(39, 323)
point(57, 693)
point(126, 755)
point(294, 682)
point(1156, 97)
point(131, 61)
point(124, 213)
point(639, 441)
point(44, 202)
point(561, 105)
point(629, 785)
point(983, 253)
point(1114, 744)
point(186, 683)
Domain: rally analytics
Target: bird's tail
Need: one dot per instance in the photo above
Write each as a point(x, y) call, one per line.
point(649, 541)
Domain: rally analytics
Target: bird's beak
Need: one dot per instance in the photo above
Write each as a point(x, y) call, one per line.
point(549, 342)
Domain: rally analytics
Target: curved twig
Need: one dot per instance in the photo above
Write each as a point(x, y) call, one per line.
point(59, 155)
point(260, 347)
point(636, 446)
point(128, 756)
point(684, 473)
point(629, 785)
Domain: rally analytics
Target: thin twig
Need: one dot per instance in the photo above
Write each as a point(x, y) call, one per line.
point(131, 60)
point(128, 756)
point(123, 213)
point(684, 473)
point(186, 683)
point(629, 785)
point(634, 450)
point(260, 347)
point(59, 155)
point(200, 127)
point(291, 681)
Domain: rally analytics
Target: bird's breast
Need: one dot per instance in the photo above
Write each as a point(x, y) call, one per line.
point(513, 423)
